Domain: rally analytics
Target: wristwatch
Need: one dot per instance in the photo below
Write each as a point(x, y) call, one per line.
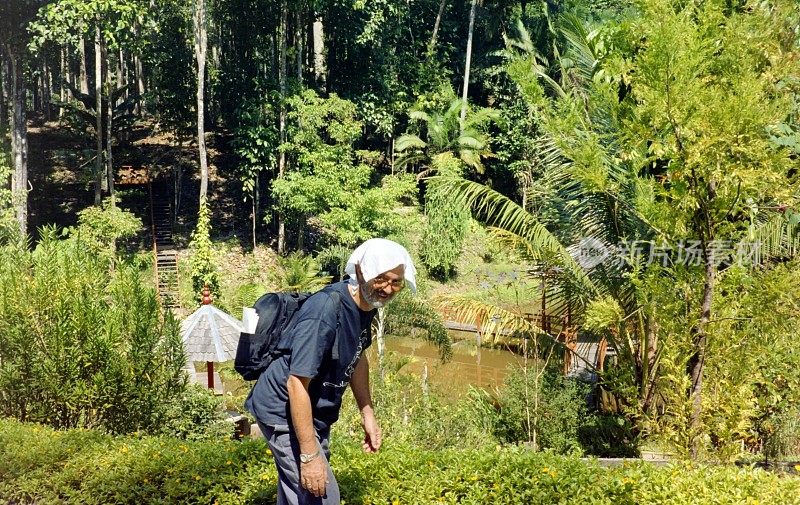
point(307, 458)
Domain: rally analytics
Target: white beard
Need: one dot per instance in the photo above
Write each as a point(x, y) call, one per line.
point(371, 300)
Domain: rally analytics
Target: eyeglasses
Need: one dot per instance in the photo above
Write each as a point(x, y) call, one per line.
point(381, 283)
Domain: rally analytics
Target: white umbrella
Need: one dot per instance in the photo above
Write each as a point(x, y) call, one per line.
point(210, 335)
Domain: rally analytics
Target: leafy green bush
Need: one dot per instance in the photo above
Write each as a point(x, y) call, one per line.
point(196, 414)
point(100, 228)
point(83, 344)
point(608, 436)
point(543, 408)
point(9, 228)
point(83, 467)
point(784, 437)
point(447, 226)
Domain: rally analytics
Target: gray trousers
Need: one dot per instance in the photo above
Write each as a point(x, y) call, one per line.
point(286, 451)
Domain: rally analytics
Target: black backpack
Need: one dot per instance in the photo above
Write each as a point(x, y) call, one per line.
point(257, 350)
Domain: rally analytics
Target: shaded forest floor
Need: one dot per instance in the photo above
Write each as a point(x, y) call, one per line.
point(61, 167)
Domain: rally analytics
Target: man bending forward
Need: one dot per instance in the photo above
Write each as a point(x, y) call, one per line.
point(298, 397)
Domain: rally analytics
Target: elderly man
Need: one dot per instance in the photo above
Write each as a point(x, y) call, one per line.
point(298, 397)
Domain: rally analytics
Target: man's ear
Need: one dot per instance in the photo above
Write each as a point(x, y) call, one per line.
point(359, 275)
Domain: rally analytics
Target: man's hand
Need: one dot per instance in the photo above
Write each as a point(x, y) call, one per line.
point(314, 476)
point(372, 432)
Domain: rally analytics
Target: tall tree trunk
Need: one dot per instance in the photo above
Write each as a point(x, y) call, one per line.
point(200, 48)
point(141, 105)
point(69, 76)
point(36, 90)
point(19, 138)
point(318, 31)
point(467, 64)
point(98, 90)
point(47, 86)
point(298, 41)
point(649, 373)
point(122, 80)
point(138, 76)
point(699, 341)
point(109, 129)
point(699, 331)
point(214, 107)
point(432, 43)
point(62, 81)
point(283, 28)
point(5, 87)
point(83, 65)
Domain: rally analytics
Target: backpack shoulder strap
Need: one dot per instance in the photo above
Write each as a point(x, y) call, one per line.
point(337, 298)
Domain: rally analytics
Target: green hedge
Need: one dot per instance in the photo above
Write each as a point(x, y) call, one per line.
point(40, 465)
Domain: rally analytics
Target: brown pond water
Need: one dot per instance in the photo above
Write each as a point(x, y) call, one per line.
point(470, 366)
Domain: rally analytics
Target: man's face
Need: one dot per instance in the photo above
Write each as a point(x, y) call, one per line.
point(380, 290)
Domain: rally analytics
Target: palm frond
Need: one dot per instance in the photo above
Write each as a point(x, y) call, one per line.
point(777, 237)
point(580, 50)
point(502, 212)
point(454, 109)
point(472, 159)
point(408, 141)
point(478, 118)
point(419, 115)
point(471, 139)
point(561, 298)
point(490, 319)
point(409, 158)
point(521, 44)
point(496, 322)
point(298, 272)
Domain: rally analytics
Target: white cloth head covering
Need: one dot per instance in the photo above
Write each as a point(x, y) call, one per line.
point(379, 255)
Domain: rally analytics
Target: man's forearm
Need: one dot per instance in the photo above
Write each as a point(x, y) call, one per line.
point(300, 408)
point(359, 383)
point(360, 386)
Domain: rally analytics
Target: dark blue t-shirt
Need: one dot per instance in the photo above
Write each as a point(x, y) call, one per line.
point(310, 336)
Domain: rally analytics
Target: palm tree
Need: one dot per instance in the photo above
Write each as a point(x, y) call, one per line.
point(298, 272)
point(444, 135)
point(601, 200)
point(595, 206)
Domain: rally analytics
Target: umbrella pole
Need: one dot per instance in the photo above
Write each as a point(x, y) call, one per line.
point(210, 368)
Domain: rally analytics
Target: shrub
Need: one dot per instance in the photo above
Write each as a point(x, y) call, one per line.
point(784, 439)
point(196, 414)
point(83, 345)
point(100, 228)
point(608, 436)
point(9, 227)
point(541, 407)
point(44, 466)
